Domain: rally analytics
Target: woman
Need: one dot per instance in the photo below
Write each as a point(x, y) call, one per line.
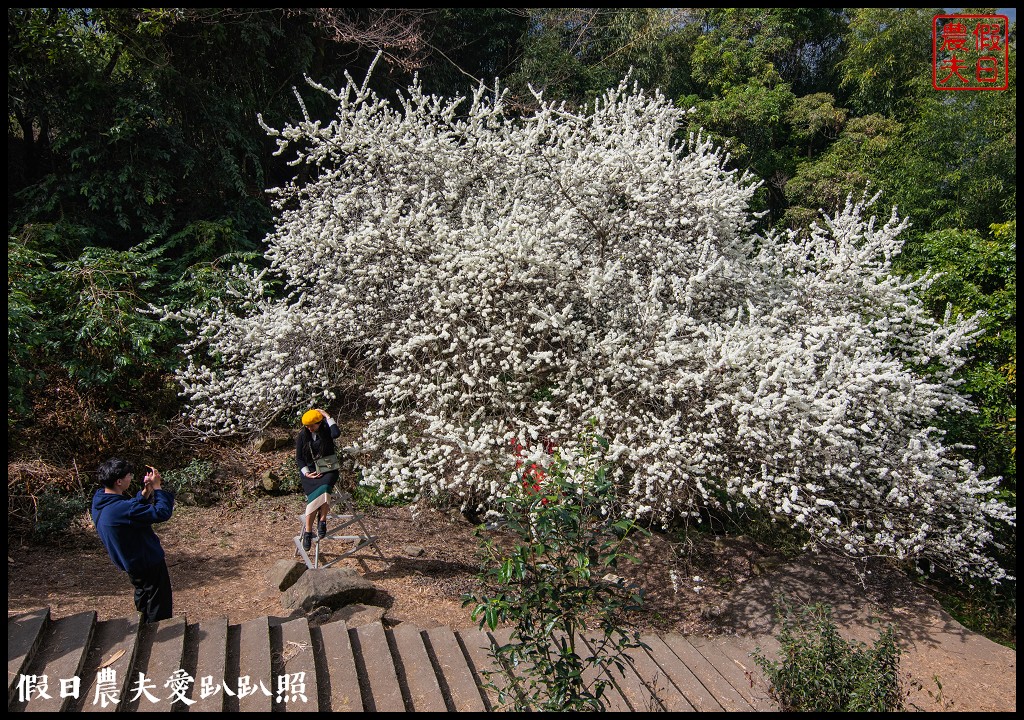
point(315, 442)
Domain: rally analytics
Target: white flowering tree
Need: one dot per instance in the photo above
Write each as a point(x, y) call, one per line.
point(495, 283)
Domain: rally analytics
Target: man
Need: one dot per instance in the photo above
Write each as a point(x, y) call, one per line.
point(125, 526)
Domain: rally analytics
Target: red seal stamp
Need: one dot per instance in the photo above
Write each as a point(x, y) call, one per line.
point(970, 52)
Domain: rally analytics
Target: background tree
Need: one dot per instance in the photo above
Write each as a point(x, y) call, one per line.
point(136, 165)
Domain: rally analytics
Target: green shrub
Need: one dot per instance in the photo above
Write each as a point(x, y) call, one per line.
point(57, 512)
point(288, 476)
point(367, 497)
point(556, 583)
point(821, 671)
point(192, 483)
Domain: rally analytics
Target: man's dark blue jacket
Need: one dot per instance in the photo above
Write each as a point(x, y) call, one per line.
point(125, 525)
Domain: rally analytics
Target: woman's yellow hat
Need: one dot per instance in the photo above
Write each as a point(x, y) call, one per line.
point(312, 417)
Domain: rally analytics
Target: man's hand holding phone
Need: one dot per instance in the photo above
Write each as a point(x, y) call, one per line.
point(151, 481)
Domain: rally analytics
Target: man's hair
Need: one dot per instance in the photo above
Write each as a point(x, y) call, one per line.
point(111, 471)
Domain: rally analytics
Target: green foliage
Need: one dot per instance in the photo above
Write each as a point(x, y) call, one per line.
point(979, 273)
point(820, 671)
point(849, 166)
point(750, 121)
point(557, 583)
point(887, 63)
point(575, 54)
point(192, 483)
point(753, 67)
point(473, 44)
point(83, 318)
point(27, 332)
point(369, 497)
point(955, 163)
point(794, 46)
point(57, 512)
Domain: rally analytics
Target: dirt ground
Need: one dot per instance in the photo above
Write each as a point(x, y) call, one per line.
point(219, 556)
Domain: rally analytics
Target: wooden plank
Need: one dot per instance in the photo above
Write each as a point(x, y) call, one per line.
point(384, 694)
point(299, 664)
point(477, 644)
point(739, 648)
point(462, 688)
point(417, 671)
point(725, 695)
point(24, 634)
point(611, 699)
point(629, 683)
point(341, 675)
point(659, 683)
point(254, 683)
point(517, 682)
point(161, 649)
point(107, 672)
point(61, 656)
point(714, 649)
point(211, 666)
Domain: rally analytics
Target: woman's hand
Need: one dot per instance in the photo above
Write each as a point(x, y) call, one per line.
point(324, 413)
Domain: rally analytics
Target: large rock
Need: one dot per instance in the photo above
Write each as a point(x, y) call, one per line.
point(285, 573)
point(330, 587)
point(270, 481)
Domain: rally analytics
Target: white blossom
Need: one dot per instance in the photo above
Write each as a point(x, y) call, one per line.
point(483, 277)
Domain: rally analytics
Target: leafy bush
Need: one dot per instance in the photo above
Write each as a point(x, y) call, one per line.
point(367, 497)
point(557, 583)
point(192, 483)
point(821, 671)
point(57, 512)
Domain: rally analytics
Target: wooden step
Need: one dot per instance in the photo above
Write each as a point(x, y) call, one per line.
point(378, 678)
point(107, 672)
point(729, 656)
point(284, 665)
point(340, 677)
point(210, 639)
point(724, 694)
point(56, 665)
point(461, 687)
point(477, 645)
point(415, 670)
point(300, 690)
point(254, 684)
point(640, 696)
point(24, 634)
point(160, 656)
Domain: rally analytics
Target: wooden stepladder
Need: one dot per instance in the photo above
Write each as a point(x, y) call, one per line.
point(348, 517)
